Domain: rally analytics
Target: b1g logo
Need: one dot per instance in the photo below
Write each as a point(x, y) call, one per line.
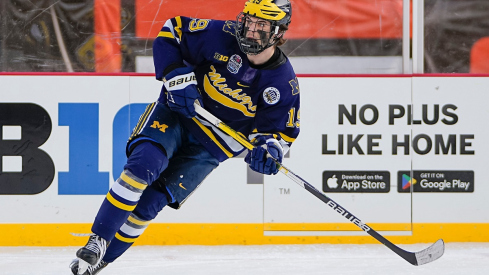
point(23, 128)
point(26, 170)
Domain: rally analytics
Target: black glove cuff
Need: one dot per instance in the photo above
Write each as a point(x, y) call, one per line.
point(172, 67)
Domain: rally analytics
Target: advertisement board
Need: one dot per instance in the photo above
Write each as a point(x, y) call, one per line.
point(404, 154)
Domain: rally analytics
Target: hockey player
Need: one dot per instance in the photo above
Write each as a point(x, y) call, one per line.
point(235, 70)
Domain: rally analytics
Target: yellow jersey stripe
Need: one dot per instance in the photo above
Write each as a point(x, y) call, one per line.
point(136, 129)
point(119, 204)
point(178, 28)
point(211, 135)
point(143, 118)
point(282, 135)
point(286, 138)
point(166, 34)
point(124, 239)
point(138, 222)
point(133, 183)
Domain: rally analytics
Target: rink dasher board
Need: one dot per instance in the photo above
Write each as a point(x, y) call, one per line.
point(278, 208)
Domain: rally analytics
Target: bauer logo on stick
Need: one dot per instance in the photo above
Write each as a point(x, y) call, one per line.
point(271, 95)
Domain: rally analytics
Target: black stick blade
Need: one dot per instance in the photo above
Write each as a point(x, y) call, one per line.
point(431, 253)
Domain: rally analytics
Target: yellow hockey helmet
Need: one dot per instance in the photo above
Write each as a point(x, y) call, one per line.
point(276, 12)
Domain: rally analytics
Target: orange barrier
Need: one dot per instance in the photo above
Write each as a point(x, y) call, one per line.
point(479, 56)
point(107, 36)
point(310, 19)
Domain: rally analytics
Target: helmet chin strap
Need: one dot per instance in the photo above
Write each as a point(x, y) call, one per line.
point(276, 30)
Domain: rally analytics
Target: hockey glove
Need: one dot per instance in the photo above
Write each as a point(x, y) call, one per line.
point(181, 87)
point(262, 158)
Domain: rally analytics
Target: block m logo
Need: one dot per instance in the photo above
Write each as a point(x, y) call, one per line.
point(157, 125)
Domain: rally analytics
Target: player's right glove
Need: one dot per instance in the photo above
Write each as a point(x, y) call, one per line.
point(182, 91)
point(262, 158)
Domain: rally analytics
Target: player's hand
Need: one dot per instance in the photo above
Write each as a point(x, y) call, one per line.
point(263, 157)
point(182, 91)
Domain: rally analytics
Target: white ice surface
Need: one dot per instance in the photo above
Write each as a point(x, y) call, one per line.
point(459, 258)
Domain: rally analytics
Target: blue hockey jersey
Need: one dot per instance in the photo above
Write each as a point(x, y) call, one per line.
point(248, 99)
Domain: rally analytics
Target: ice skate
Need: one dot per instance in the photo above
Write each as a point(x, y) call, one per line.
point(91, 254)
point(92, 270)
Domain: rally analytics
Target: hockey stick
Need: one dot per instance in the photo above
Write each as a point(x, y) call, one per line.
point(425, 256)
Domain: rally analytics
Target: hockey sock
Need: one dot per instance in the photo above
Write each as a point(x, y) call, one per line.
point(144, 165)
point(125, 237)
point(152, 201)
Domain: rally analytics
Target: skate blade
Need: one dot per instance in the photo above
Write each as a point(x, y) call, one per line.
point(82, 267)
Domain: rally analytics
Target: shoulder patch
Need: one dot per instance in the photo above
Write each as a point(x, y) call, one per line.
point(271, 95)
point(198, 24)
point(229, 27)
point(295, 86)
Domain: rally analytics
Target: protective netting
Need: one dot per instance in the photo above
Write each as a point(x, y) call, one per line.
point(451, 29)
point(326, 36)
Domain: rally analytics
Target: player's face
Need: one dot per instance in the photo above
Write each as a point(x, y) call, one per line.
point(257, 29)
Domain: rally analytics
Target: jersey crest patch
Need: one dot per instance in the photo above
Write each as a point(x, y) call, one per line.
point(235, 62)
point(271, 95)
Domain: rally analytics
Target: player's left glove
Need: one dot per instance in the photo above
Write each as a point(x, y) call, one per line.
point(262, 158)
point(181, 87)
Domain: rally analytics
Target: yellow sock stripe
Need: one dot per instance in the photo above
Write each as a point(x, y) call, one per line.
point(138, 222)
point(119, 204)
point(143, 118)
point(124, 239)
point(133, 183)
point(178, 28)
point(166, 34)
point(209, 133)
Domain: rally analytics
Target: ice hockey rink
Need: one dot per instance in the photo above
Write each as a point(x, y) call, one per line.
point(390, 90)
point(459, 258)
